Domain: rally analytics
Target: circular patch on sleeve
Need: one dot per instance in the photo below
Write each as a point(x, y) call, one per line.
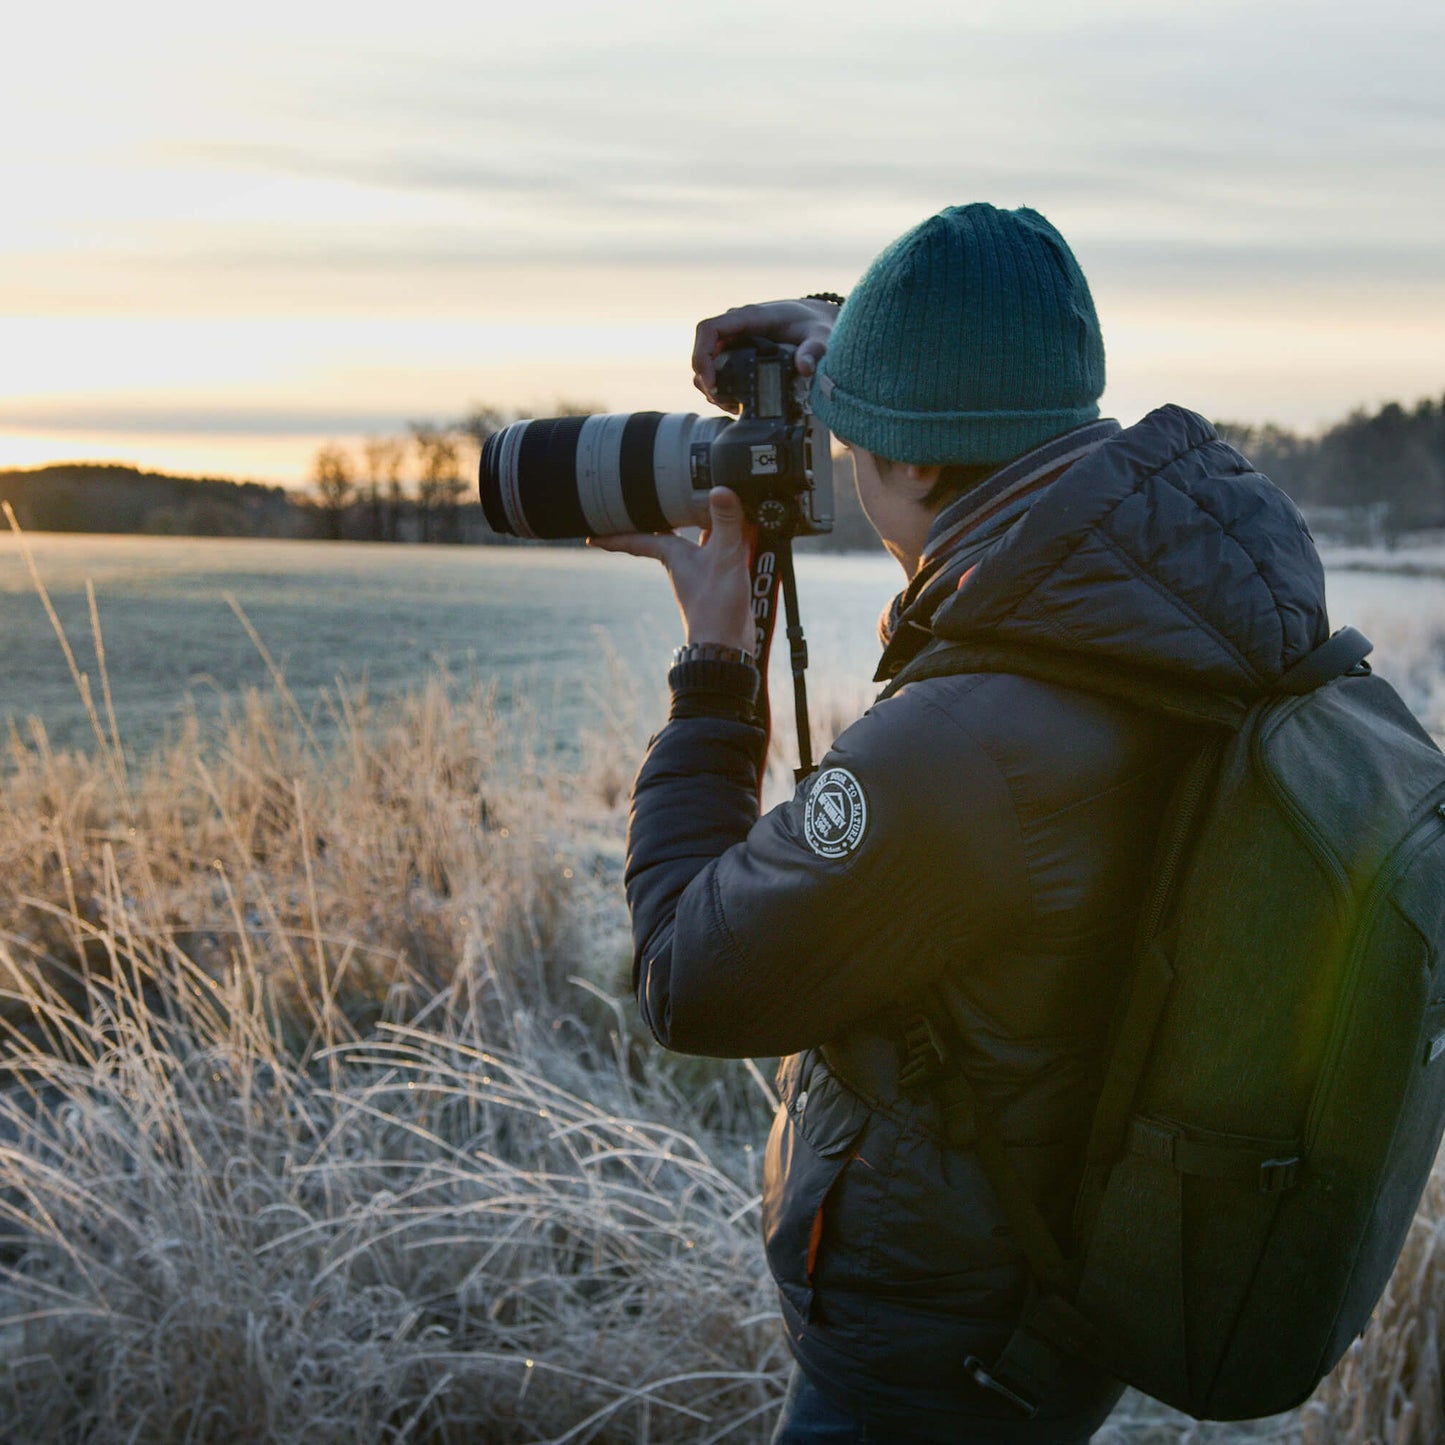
point(836, 814)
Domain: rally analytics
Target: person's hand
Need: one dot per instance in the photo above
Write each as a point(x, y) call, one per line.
point(709, 577)
point(804, 324)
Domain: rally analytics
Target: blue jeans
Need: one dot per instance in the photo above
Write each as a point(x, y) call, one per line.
point(810, 1418)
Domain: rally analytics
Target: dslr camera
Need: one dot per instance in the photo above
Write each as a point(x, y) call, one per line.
point(649, 471)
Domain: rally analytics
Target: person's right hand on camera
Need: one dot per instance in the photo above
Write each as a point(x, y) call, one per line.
point(806, 324)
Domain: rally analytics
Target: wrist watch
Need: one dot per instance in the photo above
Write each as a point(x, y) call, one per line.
point(709, 652)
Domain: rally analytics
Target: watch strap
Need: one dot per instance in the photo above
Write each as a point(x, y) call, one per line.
point(709, 652)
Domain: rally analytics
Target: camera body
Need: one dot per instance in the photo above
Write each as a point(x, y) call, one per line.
point(774, 456)
point(596, 476)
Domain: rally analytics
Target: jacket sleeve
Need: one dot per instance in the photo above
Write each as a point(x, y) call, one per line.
point(756, 936)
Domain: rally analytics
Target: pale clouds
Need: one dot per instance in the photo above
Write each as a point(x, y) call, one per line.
point(1238, 167)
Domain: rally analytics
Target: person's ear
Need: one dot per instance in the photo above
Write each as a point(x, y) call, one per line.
point(921, 478)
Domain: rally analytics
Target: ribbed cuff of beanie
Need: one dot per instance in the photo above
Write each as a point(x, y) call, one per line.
point(933, 438)
point(710, 688)
point(972, 338)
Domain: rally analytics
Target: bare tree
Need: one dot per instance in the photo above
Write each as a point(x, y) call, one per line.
point(439, 480)
point(482, 420)
point(332, 472)
point(382, 459)
point(568, 406)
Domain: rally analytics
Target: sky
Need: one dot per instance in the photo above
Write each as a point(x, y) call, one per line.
point(229, 235)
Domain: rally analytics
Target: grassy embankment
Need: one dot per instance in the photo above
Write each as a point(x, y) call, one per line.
point(322, 1119)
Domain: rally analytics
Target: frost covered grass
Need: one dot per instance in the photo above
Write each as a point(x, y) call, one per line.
point(321, 1121)
point(324, 1115)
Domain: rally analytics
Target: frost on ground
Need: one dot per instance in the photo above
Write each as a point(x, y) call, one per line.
point(325, 1116)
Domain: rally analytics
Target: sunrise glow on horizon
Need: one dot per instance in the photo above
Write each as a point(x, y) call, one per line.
point(225, 242)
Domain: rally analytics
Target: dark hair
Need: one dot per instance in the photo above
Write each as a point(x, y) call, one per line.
point(955, 479)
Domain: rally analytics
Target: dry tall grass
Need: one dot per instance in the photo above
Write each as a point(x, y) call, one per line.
point(321, 1120)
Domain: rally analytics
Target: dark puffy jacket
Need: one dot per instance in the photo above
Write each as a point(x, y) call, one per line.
point(991, 837)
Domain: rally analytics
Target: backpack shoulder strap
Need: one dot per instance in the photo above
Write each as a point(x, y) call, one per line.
point(1149, 981)
point(1050, 1330)
point(1344, 652)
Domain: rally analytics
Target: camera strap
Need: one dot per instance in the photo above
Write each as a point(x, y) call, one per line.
point(771, 570)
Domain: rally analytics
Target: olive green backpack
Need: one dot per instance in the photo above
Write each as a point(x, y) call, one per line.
point(1275, 1094)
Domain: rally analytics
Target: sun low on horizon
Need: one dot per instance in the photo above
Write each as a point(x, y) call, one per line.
point(226, 242)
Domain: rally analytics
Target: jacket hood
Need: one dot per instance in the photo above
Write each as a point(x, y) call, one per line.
point(1163, 549)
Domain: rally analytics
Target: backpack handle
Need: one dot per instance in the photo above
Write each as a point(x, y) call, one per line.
point(1345, 651)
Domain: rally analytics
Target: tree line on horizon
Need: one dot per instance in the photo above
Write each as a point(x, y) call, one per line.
point(1373, 477)
point(371, 494)
point(408, 488)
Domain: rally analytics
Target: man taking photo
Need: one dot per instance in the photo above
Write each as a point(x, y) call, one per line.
point(977, 845)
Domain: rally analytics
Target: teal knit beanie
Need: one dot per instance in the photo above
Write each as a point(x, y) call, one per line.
point(972, 338)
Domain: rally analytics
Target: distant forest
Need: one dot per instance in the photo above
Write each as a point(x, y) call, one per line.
point(1374, 477)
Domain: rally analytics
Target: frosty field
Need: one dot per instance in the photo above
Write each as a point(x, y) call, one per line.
point(573, 632)
point(325, 1115)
